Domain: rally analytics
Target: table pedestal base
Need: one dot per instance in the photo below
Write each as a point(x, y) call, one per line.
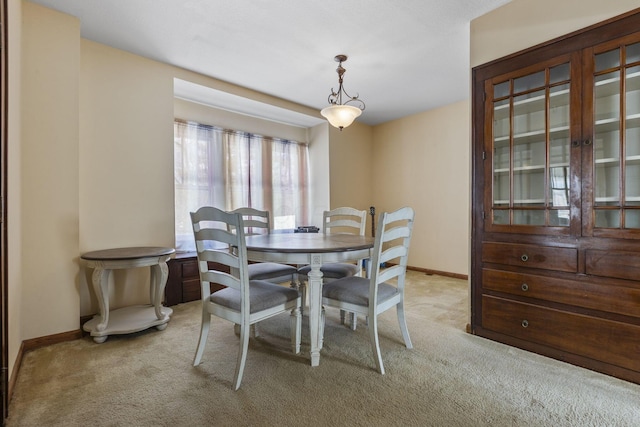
point(127, 320)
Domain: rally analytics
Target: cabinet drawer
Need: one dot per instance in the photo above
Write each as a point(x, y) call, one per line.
point(599, 339)
point(190, 269)
point(603, 297)
point(531, 256)
point(191, 290)
point(619, 264)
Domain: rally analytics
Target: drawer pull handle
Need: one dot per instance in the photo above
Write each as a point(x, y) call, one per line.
point(525, 323)
point(524, 257)
point(525, 287)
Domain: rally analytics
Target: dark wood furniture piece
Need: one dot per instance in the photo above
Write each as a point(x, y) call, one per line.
point(556, 199)
point(183, 283)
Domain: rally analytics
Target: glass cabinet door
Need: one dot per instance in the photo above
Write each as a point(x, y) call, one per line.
point(616, 143)
point(530, 146)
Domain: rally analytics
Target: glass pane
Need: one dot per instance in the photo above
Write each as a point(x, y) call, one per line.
point(559, 217)
point(501, 156)
point(632, 141)
point(501, 120)
point(500, 217)
point(559, 149)
point(528, 153)
point(633, 53)
point(607, 144)
point(631, 218)
point(501, 188)
point(559, 117)
point(607, 184)
point(632, 178)
point(607, 219)
point(528, 217)
point(528, 187)
point(531, 81)
point(608, 59)
point(632, 182)
point(559, 186)
point(529, 115)
point(607, 105)
point(559, 73)
point(633, 92)
point(501, 90)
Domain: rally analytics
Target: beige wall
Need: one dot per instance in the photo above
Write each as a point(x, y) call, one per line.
point(126, 163)
point(421, 161)
point(524, 23)
point(14, 198)
point(49, 172)
point(351, 167)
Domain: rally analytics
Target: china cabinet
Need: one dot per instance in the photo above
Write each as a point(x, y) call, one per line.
point(556, 198)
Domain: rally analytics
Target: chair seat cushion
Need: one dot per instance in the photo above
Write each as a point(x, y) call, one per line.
point(336, 270)
point(269, 270)
point(355, 290)
point(263, 295)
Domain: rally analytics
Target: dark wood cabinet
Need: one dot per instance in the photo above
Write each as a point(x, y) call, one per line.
point(556, 198)
point(183, 282)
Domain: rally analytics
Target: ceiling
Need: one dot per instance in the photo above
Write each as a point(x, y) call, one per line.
point(405, 57)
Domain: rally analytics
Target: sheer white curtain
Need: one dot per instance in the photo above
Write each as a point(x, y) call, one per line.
point(231, 169)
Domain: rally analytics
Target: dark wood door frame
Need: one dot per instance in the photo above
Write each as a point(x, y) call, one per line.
point(4, 356)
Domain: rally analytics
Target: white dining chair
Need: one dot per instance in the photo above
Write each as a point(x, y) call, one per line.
point(339, 220)
point(384, 288)
point(257, 221)
point(243, 302)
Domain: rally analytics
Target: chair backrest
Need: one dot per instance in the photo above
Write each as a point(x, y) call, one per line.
point(344, 220)
point(255, 221)
point(393, 236)
point(216, 243)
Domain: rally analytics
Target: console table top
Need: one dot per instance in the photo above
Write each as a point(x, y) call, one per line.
point(128, 253)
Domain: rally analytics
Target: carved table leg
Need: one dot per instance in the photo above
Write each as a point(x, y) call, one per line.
point(159, 274)
point(100, 282)
point(315, 308)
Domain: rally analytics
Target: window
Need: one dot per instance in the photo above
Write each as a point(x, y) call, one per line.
point(231, 169)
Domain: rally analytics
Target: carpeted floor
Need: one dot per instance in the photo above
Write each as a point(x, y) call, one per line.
point(449, 378)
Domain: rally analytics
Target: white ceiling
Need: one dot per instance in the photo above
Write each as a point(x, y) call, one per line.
point(405, 56)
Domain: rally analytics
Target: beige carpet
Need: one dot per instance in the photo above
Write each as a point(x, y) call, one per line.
point(450, 378)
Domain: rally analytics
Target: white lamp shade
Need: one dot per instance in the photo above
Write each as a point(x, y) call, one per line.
point(341, 116)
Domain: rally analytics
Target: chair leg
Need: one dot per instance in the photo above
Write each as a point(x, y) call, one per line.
point(296, 329)
point(353, 321)
point(204, 332)
point(302, 288)
point(242, 355)
point(321, 326)
point(403, 326)
point(375, 343)
point(342, 316)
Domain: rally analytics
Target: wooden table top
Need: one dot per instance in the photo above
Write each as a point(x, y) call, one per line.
point(128, 253)
point(308, 242)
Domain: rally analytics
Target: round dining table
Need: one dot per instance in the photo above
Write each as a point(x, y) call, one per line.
point(314, 249)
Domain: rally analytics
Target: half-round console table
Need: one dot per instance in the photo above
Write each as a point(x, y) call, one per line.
point(130, 319)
